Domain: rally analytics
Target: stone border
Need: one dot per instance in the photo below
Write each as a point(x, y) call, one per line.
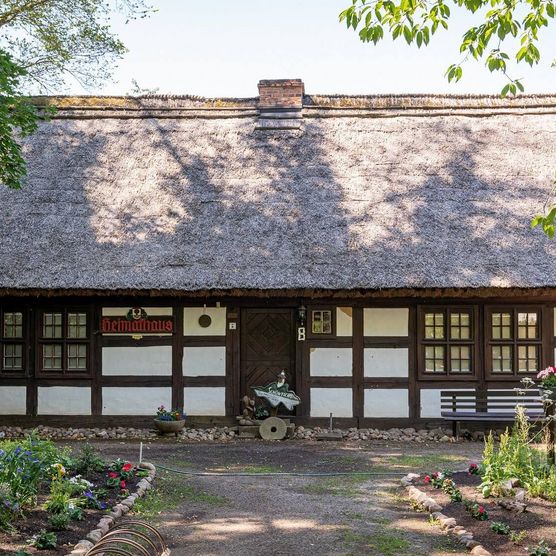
point(447, 524)
point(108, 521)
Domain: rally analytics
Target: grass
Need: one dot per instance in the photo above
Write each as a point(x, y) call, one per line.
point(433, 462)
point(347, 485)
point(169, 494)
point(255, 469)
point(383, 542)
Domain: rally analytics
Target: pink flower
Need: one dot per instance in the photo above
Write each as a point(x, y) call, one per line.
point(127, 467)
point(122, 484)
point(112, 475)
point(481, 510)
point(545, 373)
point(427, 479)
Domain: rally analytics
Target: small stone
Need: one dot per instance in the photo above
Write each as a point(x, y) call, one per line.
point(445, 439)
point(480, 551)
point(95, 535)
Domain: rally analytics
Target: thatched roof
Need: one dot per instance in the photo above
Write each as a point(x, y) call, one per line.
point(185, 194)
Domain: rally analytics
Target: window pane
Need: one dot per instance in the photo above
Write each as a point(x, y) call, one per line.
point(13, 325)
point(52, 357)
point(321, 322)
point(460, 359)
point(13, 357)
point(501, 326)
point(77, 356)
point(434, 326)
point(77, 325)
point(460, 328)
point(527, 325)
point(52, 325)
point(501, 359)
point(434, 359)
point(527, 357)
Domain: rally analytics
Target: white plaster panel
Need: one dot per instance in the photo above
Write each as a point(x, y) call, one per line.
point(337, 401)
point(430, 403)
point(381, 402)
point(386, 362)
point(138, 360)
point(204, 361)
point(331, 361)
point(64, 400)
point(13, 400)
point(122, 311)
point(385, 322)
point(135, 401)
point(204, 400)
point(191, 325)
point(344, 318)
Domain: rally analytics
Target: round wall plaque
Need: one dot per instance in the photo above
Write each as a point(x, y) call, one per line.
point(205, 321)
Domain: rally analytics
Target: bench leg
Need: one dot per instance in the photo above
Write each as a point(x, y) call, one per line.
point(455, 429)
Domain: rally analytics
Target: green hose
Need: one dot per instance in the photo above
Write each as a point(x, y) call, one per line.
point(277, 474)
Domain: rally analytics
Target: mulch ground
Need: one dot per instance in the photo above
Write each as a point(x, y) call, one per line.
point(37, 519)
point(538, 521)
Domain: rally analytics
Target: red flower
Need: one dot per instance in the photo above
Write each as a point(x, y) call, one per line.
point(122, 484)
point(112, 475)
point(127, 467)
point(427, 479)
point(481, 510)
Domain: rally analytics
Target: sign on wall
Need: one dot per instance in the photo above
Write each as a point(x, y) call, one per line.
point(137, 321)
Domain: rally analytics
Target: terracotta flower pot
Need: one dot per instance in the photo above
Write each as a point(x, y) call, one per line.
point(169, 427)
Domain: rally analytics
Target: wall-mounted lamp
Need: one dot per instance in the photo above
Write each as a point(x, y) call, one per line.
point(301, 315)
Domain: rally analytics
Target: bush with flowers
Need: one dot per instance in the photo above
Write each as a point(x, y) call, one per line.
point(548, 378)
point(162, 414)
point(119, 474)
point(473, 469)
point(476, 510)
point(67, 487)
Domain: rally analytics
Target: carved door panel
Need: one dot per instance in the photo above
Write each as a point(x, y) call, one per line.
point(267, 347)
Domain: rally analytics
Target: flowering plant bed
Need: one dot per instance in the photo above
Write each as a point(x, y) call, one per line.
point(50, 499)
point(500, 530)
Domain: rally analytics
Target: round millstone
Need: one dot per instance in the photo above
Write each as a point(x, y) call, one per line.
point(273, 428)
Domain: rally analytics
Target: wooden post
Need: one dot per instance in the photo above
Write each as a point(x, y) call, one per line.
point(551, 421)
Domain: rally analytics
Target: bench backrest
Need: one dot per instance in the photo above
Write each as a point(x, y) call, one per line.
point(491, 401)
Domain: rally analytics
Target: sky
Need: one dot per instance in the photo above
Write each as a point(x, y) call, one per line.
point(224, 47)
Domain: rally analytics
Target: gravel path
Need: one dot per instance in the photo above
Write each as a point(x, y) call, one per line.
point(288, 514)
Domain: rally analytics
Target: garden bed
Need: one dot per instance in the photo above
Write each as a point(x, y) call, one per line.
point(49, 492)
point(538, 521)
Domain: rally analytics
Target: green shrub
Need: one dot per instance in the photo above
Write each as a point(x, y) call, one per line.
point(500, 528)
point(43, 540)
point(75, 513)
point(61, 491)
point(59, 522)
point(516, 459)
point(541, 549)
point(25, 464)
point(88, 460)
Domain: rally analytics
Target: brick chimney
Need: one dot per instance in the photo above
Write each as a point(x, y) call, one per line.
point(280, 103)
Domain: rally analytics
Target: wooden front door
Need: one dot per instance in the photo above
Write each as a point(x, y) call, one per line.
point(267, 347)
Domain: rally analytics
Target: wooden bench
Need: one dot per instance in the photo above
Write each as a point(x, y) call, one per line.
point(488, 405)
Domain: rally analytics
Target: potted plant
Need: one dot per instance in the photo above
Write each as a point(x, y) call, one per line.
point(547, 385)
point(171, 421)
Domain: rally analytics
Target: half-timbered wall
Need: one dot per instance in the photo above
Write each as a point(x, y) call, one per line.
point(364, 361)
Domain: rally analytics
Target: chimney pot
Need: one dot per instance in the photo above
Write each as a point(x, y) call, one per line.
point(281, 93)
